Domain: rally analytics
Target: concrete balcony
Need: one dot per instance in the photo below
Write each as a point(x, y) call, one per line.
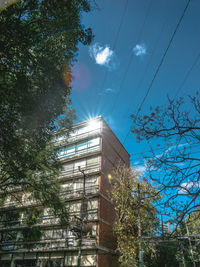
point(78, 154)
point(48, 244)
point(77, 193)
point(73, 171)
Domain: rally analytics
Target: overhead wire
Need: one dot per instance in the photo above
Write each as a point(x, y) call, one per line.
point(131, 58)
point(152, 54)
point(181, 146)
point(159, 65)
point(148, 157)
point(163, 57)
point(115, 42)
point(187, 75)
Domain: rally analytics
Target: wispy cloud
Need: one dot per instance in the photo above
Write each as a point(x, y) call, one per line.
point(103, 55)
point(107, 91)
point(141, 169)
point(189, 187)
point(173, 148)
point(140, 50)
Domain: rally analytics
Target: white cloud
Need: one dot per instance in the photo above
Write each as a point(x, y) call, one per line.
point(141, 169)
point(140, 50)
point(107, 91)
point(103, 55)
point(190, 186)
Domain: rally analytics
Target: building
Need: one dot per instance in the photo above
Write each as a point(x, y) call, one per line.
point(88, 156)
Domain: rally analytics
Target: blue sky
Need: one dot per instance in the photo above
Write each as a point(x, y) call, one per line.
point(112, 75)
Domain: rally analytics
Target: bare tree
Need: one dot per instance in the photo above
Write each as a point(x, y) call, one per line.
point(176, 169)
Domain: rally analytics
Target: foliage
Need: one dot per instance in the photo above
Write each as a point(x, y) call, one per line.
point(126, 199)
point(39, 43)
point(190, 228)
point(175, 167)
point(164, 254)
point(178, 248)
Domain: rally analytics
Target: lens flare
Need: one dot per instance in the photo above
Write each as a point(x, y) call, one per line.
point(67, 76)
point(81, 77)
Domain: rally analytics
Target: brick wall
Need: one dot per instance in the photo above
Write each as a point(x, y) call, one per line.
point(107, 260)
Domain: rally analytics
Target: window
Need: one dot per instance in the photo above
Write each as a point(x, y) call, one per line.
point(82, 130)
point(94, 142)
point(70, 150)
point(75, 207)
point(92, 204)
point(68, 167)
point(81, 146)
point(81, 164)
point(92, 181)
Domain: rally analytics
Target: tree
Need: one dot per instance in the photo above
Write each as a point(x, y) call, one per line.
point(133, 198)
point(39, 43)
point(190, 229)
point(176, 168)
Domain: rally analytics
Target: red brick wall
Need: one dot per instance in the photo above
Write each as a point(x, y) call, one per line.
point(106, 237)
point(112, 153)
point(107, 260)
point(112, 148)
point(106, 210)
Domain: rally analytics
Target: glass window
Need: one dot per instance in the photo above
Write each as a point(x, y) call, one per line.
point(92, 204)
point(60, 152)
point(81, 163)
point(82, 130)
point(78, 184)
point(67, 167)
point(92, 161)
point(94, 142)
point(58, 233)
point(81, 146)
point(75, 207)
point(70, 150)
point(67, 186)
point(92, 181)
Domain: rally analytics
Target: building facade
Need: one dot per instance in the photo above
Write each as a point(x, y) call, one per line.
point(88, 155)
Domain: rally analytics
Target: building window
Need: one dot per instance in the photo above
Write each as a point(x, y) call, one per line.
point(79, 148)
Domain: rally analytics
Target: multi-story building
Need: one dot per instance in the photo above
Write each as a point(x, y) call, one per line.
point(88, 155)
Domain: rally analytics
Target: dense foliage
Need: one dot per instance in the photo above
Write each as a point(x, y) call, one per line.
point(132, 206)
point(39, 43)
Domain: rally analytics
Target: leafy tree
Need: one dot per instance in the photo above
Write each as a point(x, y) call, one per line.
point(176, 168)
point(39, 43)
point(190, 229)
point(135, 213)
point(165, 254)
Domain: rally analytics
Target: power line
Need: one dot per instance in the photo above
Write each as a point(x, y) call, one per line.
point(131, 58)
point(187, 75)
point(161, 148)
point(152, 53)
point(163, 57)
point(160, 64)
point(149, 157)
point(116, 39)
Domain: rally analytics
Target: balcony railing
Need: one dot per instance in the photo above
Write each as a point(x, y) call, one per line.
point(79, 152)
point(75, 171)
point(53, 243)
point(89, 190)
point(77, 137)
point(91, 214)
